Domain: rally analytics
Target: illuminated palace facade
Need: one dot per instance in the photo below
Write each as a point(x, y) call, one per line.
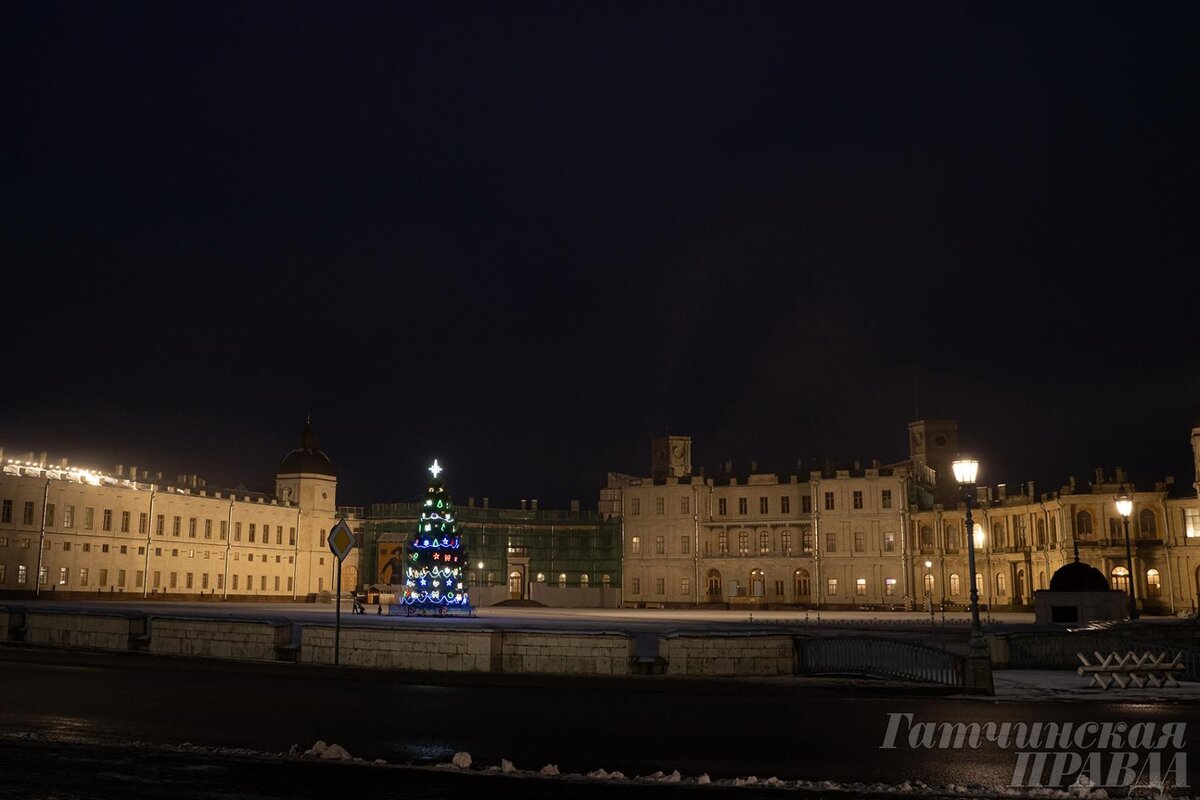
point(72, 532)
point(890, 536)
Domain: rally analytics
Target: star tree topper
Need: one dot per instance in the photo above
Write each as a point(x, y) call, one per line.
point(435, 469)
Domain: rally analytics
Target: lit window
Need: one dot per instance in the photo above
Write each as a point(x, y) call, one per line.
point(860, 587)
point(889, 587)
point(1153, 583)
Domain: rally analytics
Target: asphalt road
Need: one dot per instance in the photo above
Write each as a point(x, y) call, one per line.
point(636, 725)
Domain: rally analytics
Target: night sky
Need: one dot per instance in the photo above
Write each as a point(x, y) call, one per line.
point(525, 238)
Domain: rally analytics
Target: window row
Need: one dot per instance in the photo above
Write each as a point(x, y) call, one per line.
point(123, 523)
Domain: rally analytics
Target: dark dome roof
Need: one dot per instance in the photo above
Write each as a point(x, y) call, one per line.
point(1078, 577)
point(307, 457)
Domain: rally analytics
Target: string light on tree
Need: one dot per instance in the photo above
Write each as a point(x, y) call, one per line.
point(433, 570)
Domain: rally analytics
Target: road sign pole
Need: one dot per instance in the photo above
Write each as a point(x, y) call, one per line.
point(341, 541)
point(337, 615)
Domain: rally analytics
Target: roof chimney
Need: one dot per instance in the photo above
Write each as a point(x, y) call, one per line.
point(485, 502)
point(1002, 491)
point(534, 503)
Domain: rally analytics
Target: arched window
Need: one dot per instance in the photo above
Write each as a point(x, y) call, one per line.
point(1114, 528)
point(954, 587)
point(1019, 588)
point(926, 537)
point(1120, 579)
point(1083, 524)
point(1147, 524)
point(764, 542)
point(979, 583)
point(471, 578)
point(713, 588)
point(1041, 584)
point(583, 580)
point(1054, 530)
point(928, 585)
point(541, 578)
point(605, 581)
point(514, 582)
point(1153, 583)
point(951, 537)
point(562, 580)
point(758, 583)
point(1001, 584)
point(491, 579)
point(1041, 533)
point(998, 534)
point(800, 583)
point(743, 543)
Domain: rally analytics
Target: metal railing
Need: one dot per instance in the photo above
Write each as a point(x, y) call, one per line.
point(887, 658)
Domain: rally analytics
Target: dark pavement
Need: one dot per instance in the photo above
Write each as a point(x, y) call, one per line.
point(638, 725)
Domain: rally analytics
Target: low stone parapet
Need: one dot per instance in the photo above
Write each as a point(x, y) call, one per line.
point(732, 655)
point(567, 653)
point(99, 630)
point(260, 640)
point(12, 623)
point(458, 650)
point(403, 648)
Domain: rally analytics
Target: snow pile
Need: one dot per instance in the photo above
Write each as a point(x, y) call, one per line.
point(330, 752)
point(461, 760)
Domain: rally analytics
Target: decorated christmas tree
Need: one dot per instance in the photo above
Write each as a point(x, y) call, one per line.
point(433, 567)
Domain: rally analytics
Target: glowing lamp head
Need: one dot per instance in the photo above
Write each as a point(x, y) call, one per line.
point(1124, 506)
point(965, 471)
point(928, 564)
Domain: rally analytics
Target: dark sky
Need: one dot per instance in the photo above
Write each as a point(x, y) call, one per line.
point(526, 238)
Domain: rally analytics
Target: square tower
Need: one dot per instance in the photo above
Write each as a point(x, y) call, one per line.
point(670, 457)
point(933, 447)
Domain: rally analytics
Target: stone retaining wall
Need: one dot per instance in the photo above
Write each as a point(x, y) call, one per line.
point(11, 619)
point(567, 653)
point(734, 655)
point(400, 648)
point(471, 650)
point(211, 638)
point(101, 631)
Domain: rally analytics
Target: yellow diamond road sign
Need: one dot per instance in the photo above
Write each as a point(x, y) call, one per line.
point(341, 540)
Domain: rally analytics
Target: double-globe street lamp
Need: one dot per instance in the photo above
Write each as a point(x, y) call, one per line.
point(1125, 508)
point(979, 662)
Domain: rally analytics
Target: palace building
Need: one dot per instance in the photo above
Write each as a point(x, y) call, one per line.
point(561, 558)
point(890, 536)
point(68, 531)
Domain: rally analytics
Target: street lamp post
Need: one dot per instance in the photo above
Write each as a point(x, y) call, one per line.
point(928, 586)
point(979, 661)
point(1125, 508)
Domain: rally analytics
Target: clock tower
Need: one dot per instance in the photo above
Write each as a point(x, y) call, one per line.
point(671, 457)
point(933, 446)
